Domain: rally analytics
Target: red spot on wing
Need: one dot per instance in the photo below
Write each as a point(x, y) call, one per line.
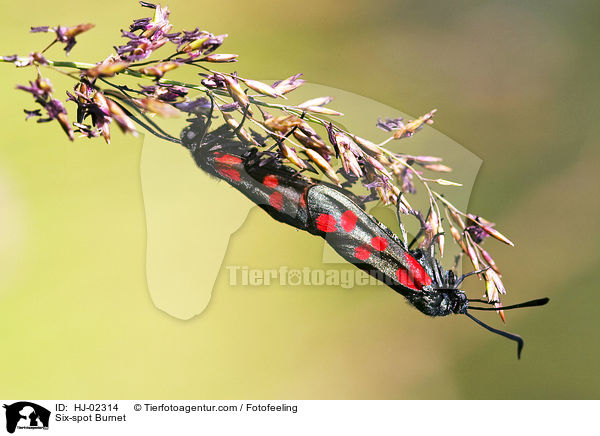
point(302, 200)
point(362, 252)
point(348, 220)
point(270, 181)
point(230, 173)
point(276, 200)
point(326, 223)
point(379, 243)
point(405, 278)
point(419, 275)
point(228, 159)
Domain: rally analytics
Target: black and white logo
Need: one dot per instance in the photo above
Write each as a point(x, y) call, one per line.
point(26, 415)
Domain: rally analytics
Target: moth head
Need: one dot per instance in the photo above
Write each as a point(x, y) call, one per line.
point(440, 301)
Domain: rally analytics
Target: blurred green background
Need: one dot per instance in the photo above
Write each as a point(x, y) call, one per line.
point(516, 83)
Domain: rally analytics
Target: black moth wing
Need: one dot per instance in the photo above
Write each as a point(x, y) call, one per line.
point(276, 188)
point(260, 176)
point(315, 207)
point(362, 240)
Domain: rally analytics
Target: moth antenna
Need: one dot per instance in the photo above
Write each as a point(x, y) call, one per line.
point(532, 303)
point(507, 335)
point(481, 300)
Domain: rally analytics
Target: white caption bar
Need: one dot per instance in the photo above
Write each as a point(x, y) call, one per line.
point(158, 417)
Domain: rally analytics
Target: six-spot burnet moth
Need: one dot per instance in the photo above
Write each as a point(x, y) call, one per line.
point(324, 210)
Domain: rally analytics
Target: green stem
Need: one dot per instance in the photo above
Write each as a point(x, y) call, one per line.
point(86, 66)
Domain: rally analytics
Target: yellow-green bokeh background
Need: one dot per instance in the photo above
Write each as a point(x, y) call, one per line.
point(516, 83)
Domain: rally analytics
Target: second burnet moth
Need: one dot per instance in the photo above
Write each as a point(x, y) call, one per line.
point(334, 214)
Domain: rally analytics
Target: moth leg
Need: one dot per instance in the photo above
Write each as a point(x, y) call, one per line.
point(464, 276)
point(421, 230)
point(433, 240)
point(402, 229)
point(245, 114)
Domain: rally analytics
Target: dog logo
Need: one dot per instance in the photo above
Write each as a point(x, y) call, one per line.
point(26, 415)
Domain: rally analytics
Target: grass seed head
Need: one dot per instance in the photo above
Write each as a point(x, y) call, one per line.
point(262, 88)
point(324, 165)
point(159, 70)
